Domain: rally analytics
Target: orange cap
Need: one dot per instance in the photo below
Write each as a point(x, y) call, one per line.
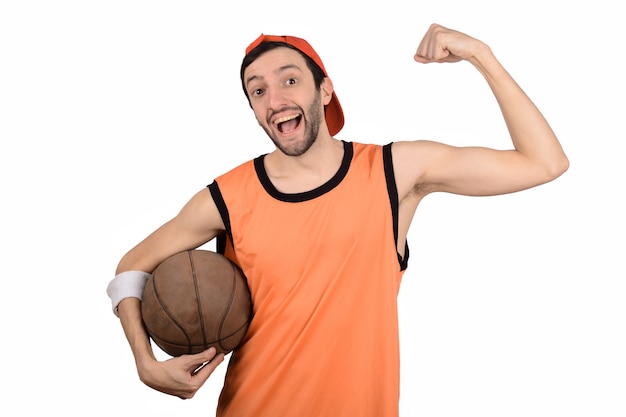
point(333, 113)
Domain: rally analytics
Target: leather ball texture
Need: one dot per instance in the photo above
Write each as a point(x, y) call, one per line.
point(194, 300)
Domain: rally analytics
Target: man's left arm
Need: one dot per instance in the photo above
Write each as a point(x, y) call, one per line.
point(536, 158)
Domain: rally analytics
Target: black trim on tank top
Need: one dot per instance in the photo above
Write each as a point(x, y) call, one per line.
point(223, 210)
point(392, 190)
point(259, 166)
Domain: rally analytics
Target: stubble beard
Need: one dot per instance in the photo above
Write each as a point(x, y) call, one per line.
point(312, 120)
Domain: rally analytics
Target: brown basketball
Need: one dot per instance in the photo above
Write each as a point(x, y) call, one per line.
point(194, 300)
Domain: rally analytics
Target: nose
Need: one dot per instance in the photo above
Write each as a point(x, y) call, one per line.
point(276, 99)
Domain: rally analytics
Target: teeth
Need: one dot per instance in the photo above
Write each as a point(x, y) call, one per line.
point(284, 119)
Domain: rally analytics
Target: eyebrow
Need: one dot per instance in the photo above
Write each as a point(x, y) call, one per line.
point(278, 71)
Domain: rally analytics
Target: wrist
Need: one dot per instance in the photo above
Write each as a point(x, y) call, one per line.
point(486, 62)
point(128, 284)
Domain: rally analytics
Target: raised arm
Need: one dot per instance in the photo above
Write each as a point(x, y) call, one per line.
point(536, 156)
point(197, 223)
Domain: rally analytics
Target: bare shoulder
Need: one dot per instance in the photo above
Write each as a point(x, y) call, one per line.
point(411, 162)
point(197, 222)
point(201, 214)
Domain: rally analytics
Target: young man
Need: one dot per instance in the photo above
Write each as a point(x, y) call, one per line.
point(319, 228)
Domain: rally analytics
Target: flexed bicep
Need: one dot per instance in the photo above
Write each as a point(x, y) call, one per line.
point(423, 167)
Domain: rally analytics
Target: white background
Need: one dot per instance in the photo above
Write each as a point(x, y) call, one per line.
point(112, 114)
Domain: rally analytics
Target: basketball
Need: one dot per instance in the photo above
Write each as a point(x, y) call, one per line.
point(194, 300)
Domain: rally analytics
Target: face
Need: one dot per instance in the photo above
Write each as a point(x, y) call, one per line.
point(285, 101)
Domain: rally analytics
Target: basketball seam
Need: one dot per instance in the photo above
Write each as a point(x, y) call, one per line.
point(167, 312)
point(198, 300)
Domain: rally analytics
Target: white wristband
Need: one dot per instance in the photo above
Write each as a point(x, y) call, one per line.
point(125, 285)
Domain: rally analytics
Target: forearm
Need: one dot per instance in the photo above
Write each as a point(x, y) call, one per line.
point(530, 133)
point(129, 311)
point(126, 291)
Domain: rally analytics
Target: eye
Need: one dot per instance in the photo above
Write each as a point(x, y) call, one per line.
point(291, 81)
point(256, 92)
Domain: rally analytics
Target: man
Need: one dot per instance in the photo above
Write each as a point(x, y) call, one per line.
point(319, 228)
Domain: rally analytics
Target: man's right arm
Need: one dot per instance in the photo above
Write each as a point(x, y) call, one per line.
point(197, 223)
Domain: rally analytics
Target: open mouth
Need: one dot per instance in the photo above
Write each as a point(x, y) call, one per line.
point(288, 124)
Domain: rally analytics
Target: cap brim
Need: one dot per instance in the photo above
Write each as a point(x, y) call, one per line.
point(334, 115)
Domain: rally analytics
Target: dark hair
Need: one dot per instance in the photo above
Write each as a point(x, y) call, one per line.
point(318, 74)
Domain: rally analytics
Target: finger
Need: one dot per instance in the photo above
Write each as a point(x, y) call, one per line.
point(421, 59)
point(443, 55)
point(421, 54)
point(195, 360)
point(206, 369)
point(432, 48)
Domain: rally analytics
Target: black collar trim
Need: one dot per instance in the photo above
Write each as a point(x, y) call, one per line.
point(259, 166)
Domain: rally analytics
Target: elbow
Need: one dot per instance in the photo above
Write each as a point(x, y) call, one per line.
point(557, 167)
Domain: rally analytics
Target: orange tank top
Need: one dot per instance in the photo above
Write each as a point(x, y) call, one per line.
point(324, 274)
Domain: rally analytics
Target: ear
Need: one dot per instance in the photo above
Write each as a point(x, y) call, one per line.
point(327, 90)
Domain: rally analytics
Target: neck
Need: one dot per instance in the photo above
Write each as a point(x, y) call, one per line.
point(295, 174)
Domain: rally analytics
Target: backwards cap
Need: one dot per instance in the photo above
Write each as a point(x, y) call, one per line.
point(333, 112)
